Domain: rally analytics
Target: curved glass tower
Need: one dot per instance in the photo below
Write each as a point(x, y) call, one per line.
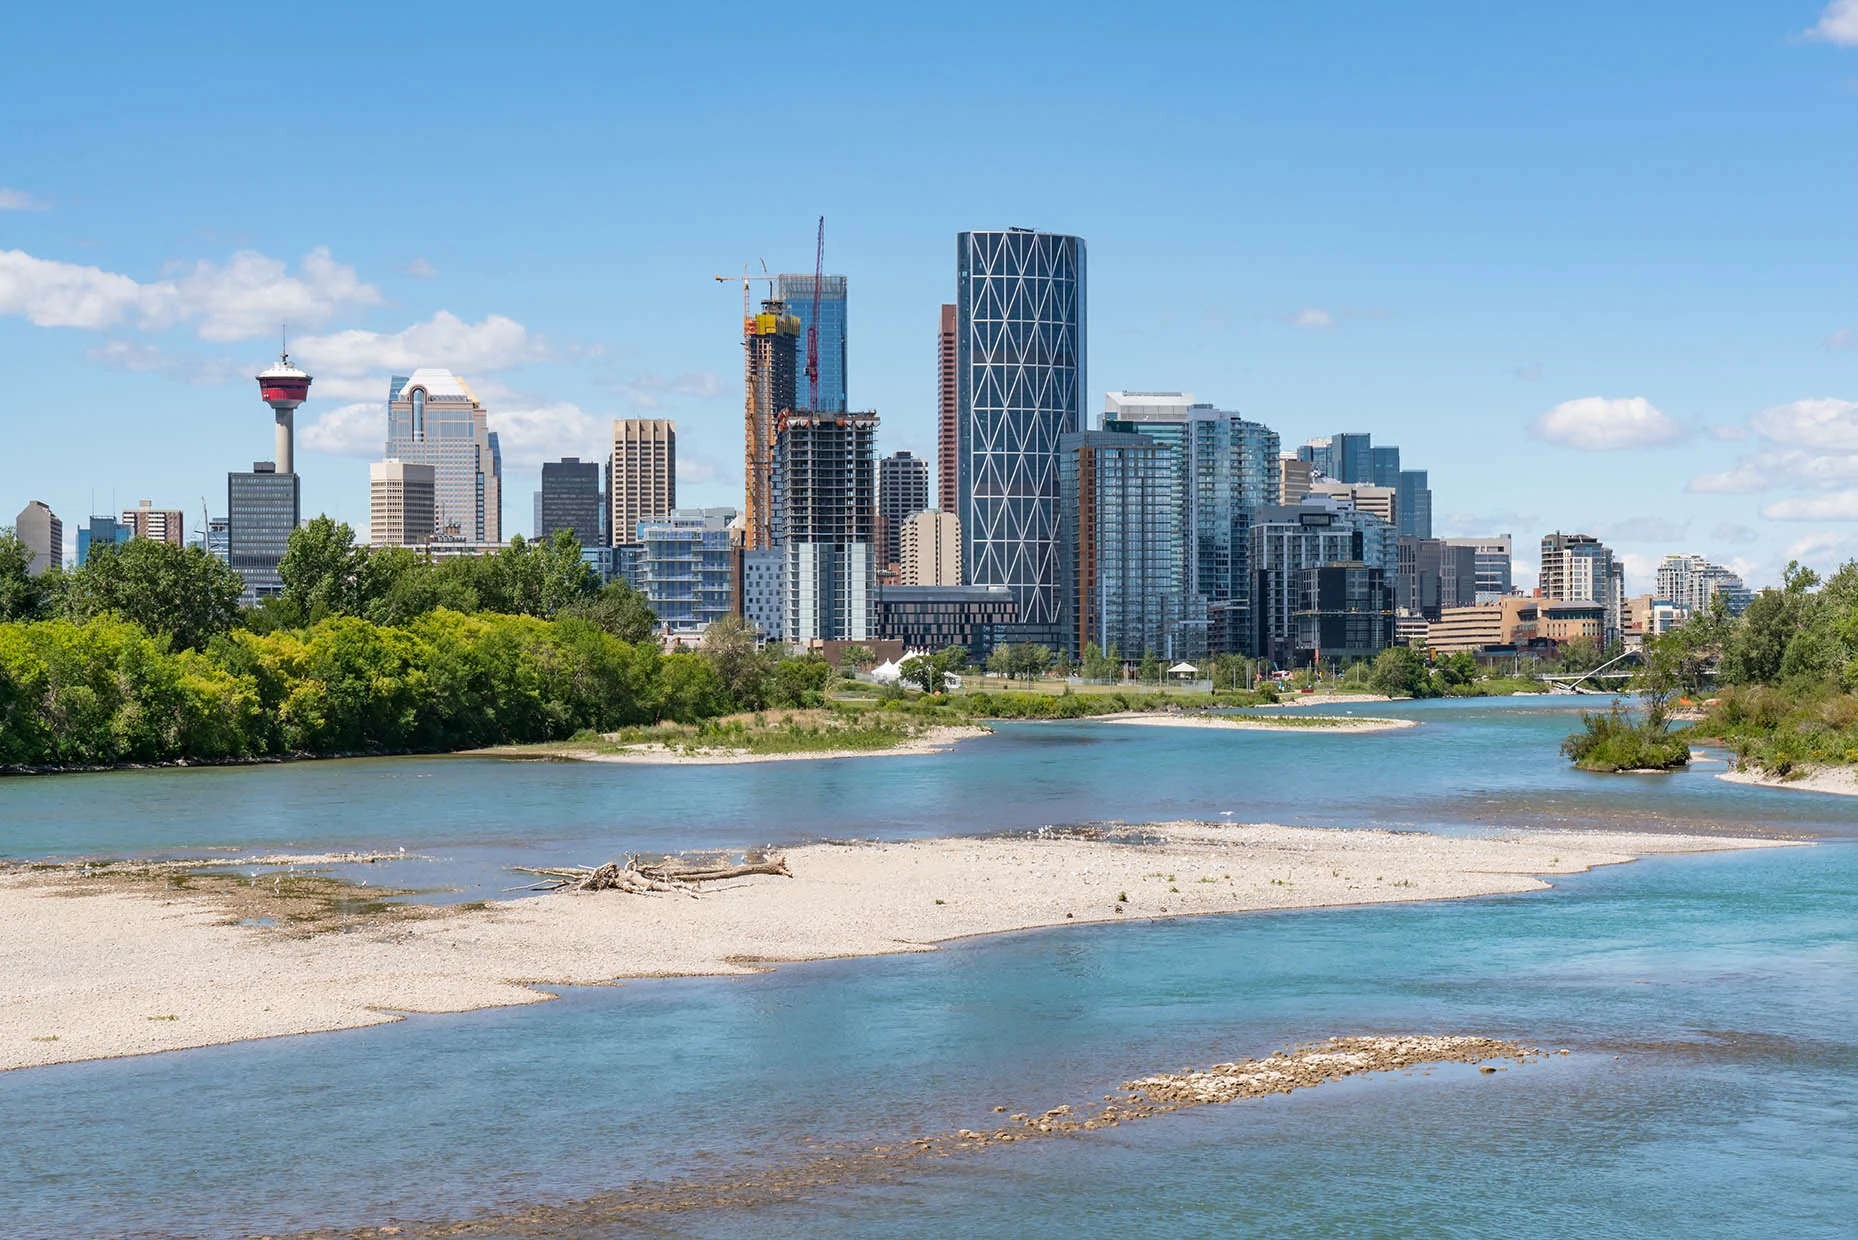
point(1020, 383)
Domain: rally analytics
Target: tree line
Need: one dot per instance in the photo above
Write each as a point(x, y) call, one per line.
point(143, 654)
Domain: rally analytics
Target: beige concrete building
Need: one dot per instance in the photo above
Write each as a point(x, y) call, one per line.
point(643, 482)
point(161, 524)
point(402, 503)
point(1293, 478)
point(1507, 622)
point(930, 550)
point(44, 535)
point(1380, 501)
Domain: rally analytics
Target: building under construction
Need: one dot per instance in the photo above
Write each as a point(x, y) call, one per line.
point(771, 342)
point(825, 522)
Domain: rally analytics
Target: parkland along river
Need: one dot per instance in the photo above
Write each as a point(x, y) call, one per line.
point(1710, 1003)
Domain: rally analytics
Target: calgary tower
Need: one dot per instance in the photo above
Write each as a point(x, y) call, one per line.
point(284, 387)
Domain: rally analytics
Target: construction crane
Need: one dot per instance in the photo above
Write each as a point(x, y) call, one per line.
point(812, 320)
point(746, 278)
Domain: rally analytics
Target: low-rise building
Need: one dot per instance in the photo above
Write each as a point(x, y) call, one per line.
point(1507, 624)
point(936, 617)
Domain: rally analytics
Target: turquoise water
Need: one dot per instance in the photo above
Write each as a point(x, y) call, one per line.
point(1710, 1002)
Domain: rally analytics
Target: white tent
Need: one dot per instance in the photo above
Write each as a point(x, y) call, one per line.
point(1183, 669)
point(886, 673)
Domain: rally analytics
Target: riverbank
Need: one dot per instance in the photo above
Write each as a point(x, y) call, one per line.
point(1284, 723)
point(110, 965)
point(1837, 780)
point(660, 753)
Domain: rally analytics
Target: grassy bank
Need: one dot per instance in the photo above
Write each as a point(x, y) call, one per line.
point(834, 729)
point(1784, 730)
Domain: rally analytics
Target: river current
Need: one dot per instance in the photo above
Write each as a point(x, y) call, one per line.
point(1710, 1003)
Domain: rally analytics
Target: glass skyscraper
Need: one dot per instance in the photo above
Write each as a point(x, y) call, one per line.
point(434, 419)
point(1120, 538)
point(797, 292)
point(1020, 383)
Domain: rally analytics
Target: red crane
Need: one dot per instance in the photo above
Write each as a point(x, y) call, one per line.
point(812, 320)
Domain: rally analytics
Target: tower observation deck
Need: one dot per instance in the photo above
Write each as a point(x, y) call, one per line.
point(284, 387)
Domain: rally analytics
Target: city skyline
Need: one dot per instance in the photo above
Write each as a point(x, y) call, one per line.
point(1555, 360)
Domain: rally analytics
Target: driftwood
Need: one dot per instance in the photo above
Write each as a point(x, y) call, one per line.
point(639, 879)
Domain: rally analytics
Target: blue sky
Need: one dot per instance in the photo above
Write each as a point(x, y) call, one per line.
point(1594, 265)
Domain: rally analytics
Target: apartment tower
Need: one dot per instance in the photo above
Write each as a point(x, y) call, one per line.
point(929, 553)
point(797, 292)
point(902, 488)
point(643, 486)
point(770, 343)
point(160, 524)
point(825, 524)
point(44, 535)
point(946, 469)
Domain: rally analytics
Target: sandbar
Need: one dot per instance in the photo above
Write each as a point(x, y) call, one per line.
point(93, 968)
point(1837, 780)
point(656, 753)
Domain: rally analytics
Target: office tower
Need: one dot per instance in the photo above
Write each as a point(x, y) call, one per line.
point(571, 499)
point(902, 488)
point(1020, 382)
point(1286, 541)
point(1413, 501)
point(262, 510)
point(1344, 612)
point(1493, 565)
point(1120, 536)
point(1692, 583)
point(1578, 568)
point(1317, 454)
point(1384, 466)
point(402, 503)
point(217, 538)
point(946, 436)
point(825, 518)
point(433, 418)
point(1294, 478)
point(797, 292)
point(1432, 575)
point(770, 341)
point(686, 567)
point(265, 506)
point(44, 535)
point(160, 524)
point(643, 485)
point(1352, 455)
point(1363, 497)
point(102, 531)
point(930, 550)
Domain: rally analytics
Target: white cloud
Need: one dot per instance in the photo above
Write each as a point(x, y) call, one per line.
point(1824, 548)
point(359, 429)
point(251, 295)
point(20, 200)
point(698, 469)
point(357, 363)
point(128, 355)
point(418, 268)
point(1838, 24)
point(1824, 424)
point(646, 392)
point(1843, 340)
point(1602, 424)
point(1644, 529)
point(549, 432)
point(1835, 506)
point(1641, 571)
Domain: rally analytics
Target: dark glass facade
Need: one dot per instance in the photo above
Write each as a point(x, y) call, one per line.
point(571, 500)
point(262, 508)
point(797, 292)
point(937, 617)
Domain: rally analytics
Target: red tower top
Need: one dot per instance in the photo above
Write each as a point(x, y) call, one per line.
point(283, 386)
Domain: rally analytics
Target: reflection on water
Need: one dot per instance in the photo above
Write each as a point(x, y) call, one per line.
point(1709, 1002)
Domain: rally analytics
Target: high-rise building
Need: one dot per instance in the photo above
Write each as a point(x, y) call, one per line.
point(902, 489)
point(686, 567)
point(402, 508)
point(265, 506)
point(930, 551)
point(1344, 612)
point(1691, 583)
point(825, 523)
point(1579, 568)
point(102, 531)
point(1432, 575)
point(1494, 580)
point(1295, 475)
point(947, 437)
point(1384, 466)
point(1288, 540)
point(770, 341)
point(433, 418)
point(797, 292)
point(167, 525)
point(643, 485)
point(44, 535)
point(571, 498)
point(262, 511)
point(1020, 383)
point(1120, 533)
point(1363, 497)
point(1413, 499)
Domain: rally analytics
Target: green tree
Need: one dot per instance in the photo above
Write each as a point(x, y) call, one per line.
point(733, 651)
point(1400, 671)
point(323, 571)
point(1457, 669)
point(1150, 671)
point(858, 657)
point(1097, 666)
point(21, 594)
point(619, 609)
point(1774, 618)
point(537, 578)
point(179, 592)
point(929, 672)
